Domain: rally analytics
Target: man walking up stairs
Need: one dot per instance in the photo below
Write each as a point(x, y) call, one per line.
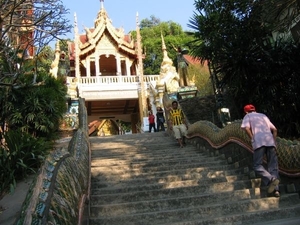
point(145, 179)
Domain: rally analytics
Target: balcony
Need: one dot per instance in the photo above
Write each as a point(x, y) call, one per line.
point(112, 87)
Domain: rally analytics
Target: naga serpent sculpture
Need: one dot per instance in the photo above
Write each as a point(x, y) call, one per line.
point(288, 151)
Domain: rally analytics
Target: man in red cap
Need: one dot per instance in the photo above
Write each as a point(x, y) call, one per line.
point(263, 135)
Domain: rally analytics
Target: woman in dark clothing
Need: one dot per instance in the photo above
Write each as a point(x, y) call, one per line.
point(160, 119)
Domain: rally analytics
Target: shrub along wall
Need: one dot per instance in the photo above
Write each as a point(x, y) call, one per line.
point(62, 187)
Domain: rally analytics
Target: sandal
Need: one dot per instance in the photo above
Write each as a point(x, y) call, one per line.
point(274, 182)
point(276, 194)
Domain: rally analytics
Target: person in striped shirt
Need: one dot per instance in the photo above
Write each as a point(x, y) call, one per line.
point(178, 124)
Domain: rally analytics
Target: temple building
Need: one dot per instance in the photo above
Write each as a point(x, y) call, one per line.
point(103, 50)
point(106, 69)
point(19, 26)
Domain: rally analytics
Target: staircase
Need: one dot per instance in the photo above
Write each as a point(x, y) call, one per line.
point(146, 178)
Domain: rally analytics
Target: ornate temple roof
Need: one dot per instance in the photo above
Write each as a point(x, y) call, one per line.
point(103, 27)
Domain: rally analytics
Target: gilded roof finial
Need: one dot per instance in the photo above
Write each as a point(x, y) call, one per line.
point(75, 25)
point(166, 58)
point(77, 50)
point(163, 42)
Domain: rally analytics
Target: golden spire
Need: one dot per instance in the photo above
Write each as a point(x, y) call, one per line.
point(163, 42)
point(77, 50)
point(166, 58)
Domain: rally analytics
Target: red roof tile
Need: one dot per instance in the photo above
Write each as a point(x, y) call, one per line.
point(193, 60)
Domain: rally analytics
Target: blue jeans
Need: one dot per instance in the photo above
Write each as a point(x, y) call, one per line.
point(272, 164)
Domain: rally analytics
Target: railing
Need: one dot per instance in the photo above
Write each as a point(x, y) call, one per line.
point(109, 87)
point(116, 79)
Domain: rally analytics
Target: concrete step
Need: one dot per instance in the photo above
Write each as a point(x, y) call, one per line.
point(153, 162)
point(173, 189)
point(168, 166)
point(278, 216)
point(137, 139)
point(160, 215)
point(136, 158)
point(147, 179)
point(136, 152)
point(105, 176)
point(130, 207)
point(175, 169)
point(116, 182)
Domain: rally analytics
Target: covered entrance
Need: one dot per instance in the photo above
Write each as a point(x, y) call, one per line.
point(112, 117)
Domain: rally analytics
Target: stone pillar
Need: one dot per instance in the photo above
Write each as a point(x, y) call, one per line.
point(88, 67)
point(127, 62)
point(152, 101)
point(97, 63)
point(118, 60)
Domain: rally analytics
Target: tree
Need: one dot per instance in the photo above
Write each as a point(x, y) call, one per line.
point(26, 27)
point(38, 110)
point(151, 30)
point(236, 37)
point(31, 102)
point(148, 23)
point(199, 74)
point(282, 13)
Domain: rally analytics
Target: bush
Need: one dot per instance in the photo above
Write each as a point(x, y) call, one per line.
point(20, 156)
point(37, 110)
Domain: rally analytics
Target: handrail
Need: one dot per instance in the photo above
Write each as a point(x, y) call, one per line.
point(116, 79)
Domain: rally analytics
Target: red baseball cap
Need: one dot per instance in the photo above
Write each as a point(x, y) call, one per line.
point(249, 108)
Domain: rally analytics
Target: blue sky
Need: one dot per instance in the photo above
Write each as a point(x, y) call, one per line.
point(123, 12)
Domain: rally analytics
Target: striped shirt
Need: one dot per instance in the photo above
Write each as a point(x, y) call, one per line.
point(177, 117)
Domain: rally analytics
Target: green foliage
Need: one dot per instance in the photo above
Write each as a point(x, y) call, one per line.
point(199, 74)
point(152, 22)
point(151, 31)
point(248, 64)
point(30, 101)
point(43, 60)
point(21, 155)
point(64, 62)
point(31, 112)
point(38, 109)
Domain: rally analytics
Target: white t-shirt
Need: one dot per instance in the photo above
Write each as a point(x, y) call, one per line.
point(261, 129)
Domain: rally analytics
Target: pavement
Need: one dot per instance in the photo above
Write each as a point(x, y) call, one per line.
point(11, 204)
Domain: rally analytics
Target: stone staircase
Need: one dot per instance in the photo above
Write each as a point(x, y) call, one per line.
point(146, 178)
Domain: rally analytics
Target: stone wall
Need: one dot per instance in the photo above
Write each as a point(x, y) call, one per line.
point(200, 108)
point(205, 108)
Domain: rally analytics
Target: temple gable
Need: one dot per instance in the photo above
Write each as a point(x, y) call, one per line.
point(103, 50)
